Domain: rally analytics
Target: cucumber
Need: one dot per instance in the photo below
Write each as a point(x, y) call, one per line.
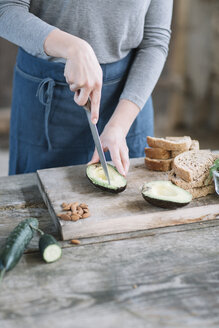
point(16, 243)
point(49, 248)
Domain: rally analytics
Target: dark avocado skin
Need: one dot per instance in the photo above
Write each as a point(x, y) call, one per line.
point(163, 203)
point(113, 191)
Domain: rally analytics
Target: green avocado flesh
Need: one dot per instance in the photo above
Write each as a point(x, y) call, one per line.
point(165, 194)
point(96, 175)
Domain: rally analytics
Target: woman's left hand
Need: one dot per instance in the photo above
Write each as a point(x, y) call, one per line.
point(114, 140)
point(114, 135)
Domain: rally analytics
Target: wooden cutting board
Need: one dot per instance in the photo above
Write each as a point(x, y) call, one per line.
point(115, 213)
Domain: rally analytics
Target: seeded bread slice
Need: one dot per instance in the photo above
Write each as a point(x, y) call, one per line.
point(202, 191)
point(170, 143)
point(191, 165)
point(204, 180)
point(157, 153)
point(158, 164)
point(175, 153)
point(194, 146)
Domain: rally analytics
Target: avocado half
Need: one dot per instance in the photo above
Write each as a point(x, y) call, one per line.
point(97, 177)
point(165, 194)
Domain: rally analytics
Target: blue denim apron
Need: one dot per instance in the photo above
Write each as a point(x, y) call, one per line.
point(48, 129)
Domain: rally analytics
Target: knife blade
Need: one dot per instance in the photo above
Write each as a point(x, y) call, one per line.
point(96, 138)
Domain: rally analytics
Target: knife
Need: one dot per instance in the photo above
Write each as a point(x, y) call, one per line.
point(96, 138)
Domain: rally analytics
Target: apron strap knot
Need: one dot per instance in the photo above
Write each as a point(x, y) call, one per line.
point(45, 95)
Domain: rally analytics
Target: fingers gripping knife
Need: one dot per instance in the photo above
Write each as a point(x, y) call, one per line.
point(96, 138)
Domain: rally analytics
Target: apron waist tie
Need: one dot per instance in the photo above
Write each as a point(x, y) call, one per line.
point(45, 95)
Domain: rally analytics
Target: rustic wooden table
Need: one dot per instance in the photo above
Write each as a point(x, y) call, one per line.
point(167, 277)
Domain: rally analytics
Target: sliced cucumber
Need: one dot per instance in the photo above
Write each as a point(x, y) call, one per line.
point(49, 248)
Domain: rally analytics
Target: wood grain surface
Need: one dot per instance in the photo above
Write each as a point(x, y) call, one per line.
point(155, 278)
point(167, 280)
point(111, 213)
point(20, 199)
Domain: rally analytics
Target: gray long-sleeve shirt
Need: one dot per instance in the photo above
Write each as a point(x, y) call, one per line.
point(111, 27)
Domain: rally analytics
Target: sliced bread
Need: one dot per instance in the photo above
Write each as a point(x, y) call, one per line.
point(191, 165)
point(170, 143)
point(175, 153)
point(204, 180)
point(157, 153)
point(202, 191)
point(158, 164)
point(194, 146)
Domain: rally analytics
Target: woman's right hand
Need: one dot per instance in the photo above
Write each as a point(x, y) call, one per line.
point(82, 70)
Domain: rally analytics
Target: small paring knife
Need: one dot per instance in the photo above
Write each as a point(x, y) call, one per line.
point(96, 138)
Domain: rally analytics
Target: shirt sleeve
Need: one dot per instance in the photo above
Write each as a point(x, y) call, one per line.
point(151, 53)
point(22, 28)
